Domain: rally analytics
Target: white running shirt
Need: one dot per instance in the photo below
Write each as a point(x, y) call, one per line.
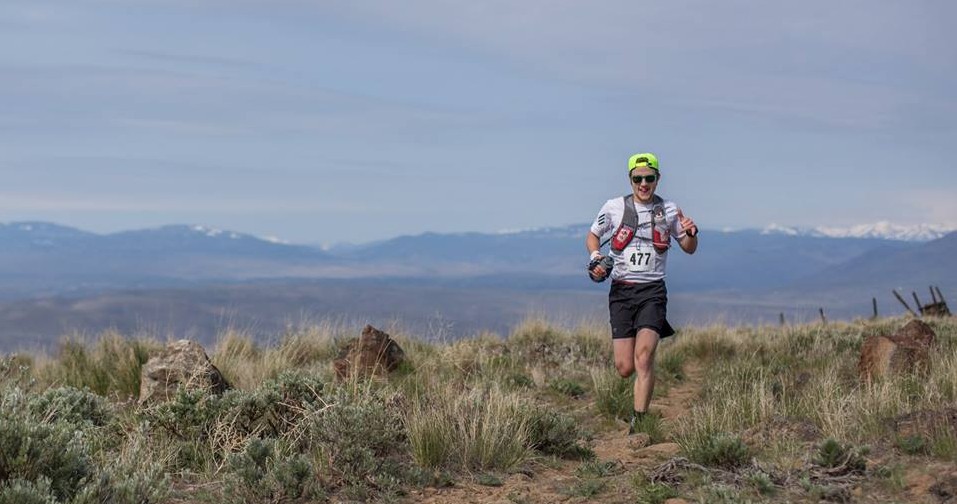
point(639, 262)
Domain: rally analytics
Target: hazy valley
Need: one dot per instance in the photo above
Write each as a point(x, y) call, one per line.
point(197, 281)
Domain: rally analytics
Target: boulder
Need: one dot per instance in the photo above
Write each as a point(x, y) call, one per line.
point(915, 334)
point(906, 351)
point(183, 363)
point(373, 352)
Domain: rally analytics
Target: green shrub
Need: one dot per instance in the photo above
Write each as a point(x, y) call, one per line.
point(188, 415)
point(272, 410)
point(655, 493)
point(489, 479)
point(567, 387)
point(598, 469)
point(518, 380)
point(913, 445)
point(362, 442)
point(76, 407)
point(38, 451)
point(206, 428)
point(137, 481)
point(554, 433)
point(278, 406)
point(832, 454)
point(720, 450)
point(585, 488)
point(762, 483)
point(261, 473)
point(18, 491)
point(425, 477)
point(724, 494)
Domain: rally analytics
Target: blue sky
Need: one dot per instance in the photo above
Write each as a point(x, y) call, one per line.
point(330, 121)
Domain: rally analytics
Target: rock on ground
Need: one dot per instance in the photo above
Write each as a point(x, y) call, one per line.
point(373, 352)
point(906, 351)
point(183, 363)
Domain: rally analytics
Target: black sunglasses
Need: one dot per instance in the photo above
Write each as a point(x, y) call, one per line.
point(650, 179)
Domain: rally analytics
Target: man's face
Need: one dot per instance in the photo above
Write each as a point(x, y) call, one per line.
point(644, 190)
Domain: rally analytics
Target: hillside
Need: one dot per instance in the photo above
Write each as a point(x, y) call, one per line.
point(738, 415)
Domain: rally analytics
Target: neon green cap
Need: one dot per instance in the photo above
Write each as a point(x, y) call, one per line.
point(643, 159)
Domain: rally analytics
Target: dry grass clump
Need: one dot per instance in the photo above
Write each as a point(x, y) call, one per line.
point(109, 366)
point(808, 374)
point(551, 346)
point(469, 429)
point(245, 364)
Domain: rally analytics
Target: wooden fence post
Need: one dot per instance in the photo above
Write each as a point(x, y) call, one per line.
point(901, 299)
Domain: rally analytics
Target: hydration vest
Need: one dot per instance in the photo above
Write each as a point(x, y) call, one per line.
point(629, 226)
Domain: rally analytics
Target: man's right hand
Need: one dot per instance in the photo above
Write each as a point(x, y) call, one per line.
point(598, 268)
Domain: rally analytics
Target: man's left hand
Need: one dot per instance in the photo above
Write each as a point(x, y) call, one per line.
point(687, 224)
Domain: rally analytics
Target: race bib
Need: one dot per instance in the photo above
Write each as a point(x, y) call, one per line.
point(640, 258)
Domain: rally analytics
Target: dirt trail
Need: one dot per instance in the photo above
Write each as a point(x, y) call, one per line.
point(550, 484)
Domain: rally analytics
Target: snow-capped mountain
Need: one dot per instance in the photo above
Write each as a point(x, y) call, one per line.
point(41, 257)
point(882, 230)
point(48, 235)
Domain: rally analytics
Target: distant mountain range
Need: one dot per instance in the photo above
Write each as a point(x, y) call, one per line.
point(38, 258)
point(881, 230)
point(44, 258)
point(54, 277)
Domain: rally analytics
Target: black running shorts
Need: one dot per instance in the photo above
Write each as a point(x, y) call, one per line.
point(635, 306)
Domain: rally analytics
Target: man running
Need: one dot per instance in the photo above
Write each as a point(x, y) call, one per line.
point(643, 225)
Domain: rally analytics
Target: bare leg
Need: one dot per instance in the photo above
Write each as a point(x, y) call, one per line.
point(645, 345)
point(624, 356)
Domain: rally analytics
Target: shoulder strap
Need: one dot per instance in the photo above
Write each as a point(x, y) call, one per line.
point(629, 200)
point(628, 229)
point(630, 217)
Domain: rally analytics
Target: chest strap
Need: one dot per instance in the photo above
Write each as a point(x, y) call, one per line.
point(629, 223)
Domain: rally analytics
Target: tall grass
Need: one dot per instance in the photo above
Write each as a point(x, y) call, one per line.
point(809, 374)
point(110, 366)
point(469, 429)
point(614, 395)
point(289, 430)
